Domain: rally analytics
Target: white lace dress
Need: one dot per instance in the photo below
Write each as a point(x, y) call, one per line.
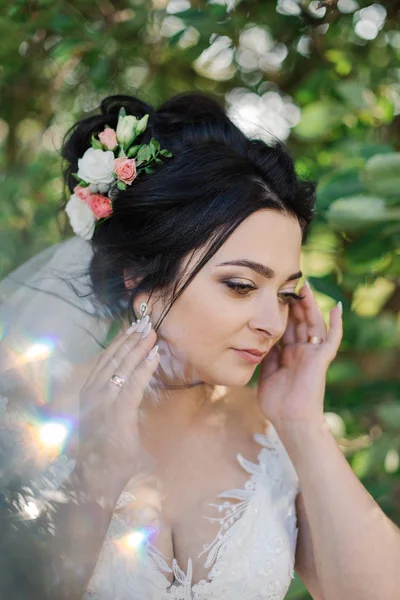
point(251, 558)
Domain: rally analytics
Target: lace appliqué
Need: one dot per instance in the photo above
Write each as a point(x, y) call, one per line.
point(252, 556)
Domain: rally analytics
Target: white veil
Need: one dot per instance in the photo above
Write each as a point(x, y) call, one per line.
point(48, 330)
point(43, 318)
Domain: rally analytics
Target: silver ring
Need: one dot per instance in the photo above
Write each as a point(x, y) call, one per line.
point(120, 381)
point(313, 339)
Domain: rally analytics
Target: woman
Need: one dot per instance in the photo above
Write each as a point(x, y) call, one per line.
point(184, 481)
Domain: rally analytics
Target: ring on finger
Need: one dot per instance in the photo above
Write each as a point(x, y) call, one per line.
point(314, 339)
point(118, 380)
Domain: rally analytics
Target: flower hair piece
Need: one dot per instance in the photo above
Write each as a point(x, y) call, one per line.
point(111, 164)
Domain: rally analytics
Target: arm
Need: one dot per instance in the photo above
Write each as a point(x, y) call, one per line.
point(305, 559)
point(356, 547)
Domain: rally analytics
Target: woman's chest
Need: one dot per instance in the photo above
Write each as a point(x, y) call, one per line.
point(215, 523)
point(191, 507)
point(177, 500)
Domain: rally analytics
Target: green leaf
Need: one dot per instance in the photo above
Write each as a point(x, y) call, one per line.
point(361, 462)
point(148, 170)
point(343, 182)
point(122, 112)
point(389, 414)
point(174, 39)
point(327, 285)
point(133, 151)
point(81, 182)
point(381, 174)
point(96, 144)
point(353, 93)
point(354, 212)
point(344, 370)
point(319, 118)
point(121, 185)
point(133, 138)
point(166, 153)
point(370, 246)
point(143, 156)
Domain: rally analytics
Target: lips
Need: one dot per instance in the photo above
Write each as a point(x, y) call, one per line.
point(250, 356)
point(252, 351)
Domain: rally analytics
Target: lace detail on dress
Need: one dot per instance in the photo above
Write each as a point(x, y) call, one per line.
point(252, 556)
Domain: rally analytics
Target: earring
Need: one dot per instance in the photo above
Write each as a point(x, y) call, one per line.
point(143, 311)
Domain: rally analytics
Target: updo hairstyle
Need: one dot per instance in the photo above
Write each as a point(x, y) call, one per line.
point(214, 180)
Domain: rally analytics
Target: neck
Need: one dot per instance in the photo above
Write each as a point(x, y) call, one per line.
point(182, 404)
point(178, 386)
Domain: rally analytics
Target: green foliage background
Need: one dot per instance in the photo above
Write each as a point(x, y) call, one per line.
point(59, 59)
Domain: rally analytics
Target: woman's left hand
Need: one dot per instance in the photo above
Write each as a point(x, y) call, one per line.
point(292, 379)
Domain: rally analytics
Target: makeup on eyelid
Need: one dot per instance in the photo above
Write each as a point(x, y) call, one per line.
point(247, 288)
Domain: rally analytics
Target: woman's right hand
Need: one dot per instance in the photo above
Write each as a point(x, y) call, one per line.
point(108, 429)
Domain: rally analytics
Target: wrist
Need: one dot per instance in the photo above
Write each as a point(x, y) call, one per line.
point(302, 437)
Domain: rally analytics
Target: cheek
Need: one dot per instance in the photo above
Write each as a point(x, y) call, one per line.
point(200, 321)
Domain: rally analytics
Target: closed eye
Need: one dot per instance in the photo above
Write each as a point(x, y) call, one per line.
point(243, 289)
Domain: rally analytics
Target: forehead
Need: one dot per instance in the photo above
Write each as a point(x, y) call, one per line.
point(266, 236)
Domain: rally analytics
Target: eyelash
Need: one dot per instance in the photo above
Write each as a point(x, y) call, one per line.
point(288, 297)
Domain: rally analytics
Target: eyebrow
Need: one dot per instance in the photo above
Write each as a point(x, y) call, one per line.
point(259, 268)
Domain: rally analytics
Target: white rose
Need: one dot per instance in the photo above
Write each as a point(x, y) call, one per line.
point(81, 217)
point(126, 129)
point(96, 166)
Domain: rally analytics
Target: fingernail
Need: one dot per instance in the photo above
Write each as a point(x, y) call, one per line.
point(340, 306)
point(131, 329)
point(152, 353)
point(146, 330)
point(307, 283)
point(142, 324)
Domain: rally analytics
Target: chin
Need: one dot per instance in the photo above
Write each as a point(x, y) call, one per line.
point(232, 378)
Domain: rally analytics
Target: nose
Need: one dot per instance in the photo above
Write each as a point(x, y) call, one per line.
point(270, 317)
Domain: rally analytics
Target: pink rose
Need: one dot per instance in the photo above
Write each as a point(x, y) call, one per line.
point(100, 205)
point(82, 192)
point(125, 168)
point(108, 137)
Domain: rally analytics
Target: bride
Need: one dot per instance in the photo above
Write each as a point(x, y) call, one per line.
point(177, 477)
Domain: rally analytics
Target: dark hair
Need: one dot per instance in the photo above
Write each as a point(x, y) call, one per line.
point(214, 180)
